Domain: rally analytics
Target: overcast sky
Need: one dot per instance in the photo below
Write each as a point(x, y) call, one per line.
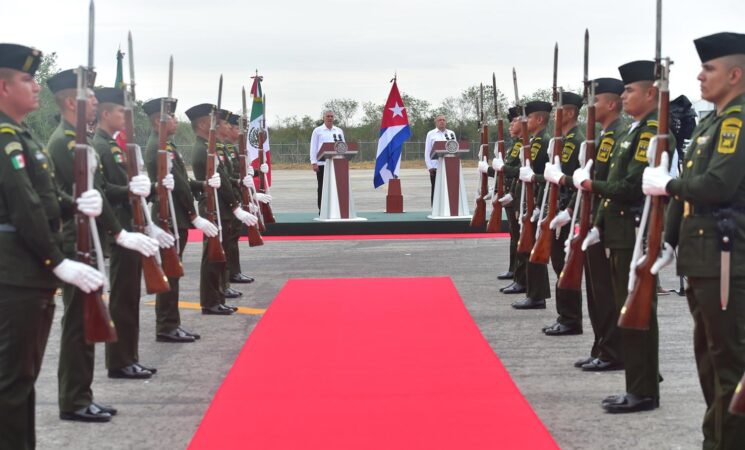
point(310, 52)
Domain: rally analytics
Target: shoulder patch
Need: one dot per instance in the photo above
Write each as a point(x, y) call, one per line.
point(641, 147)
point(516, 149)
point(534, 149)
point(652, 123)
point(69, 133)
point(566, 152)
point(7, 130)
point(71, 145)
point(728, 135)
point(14, 146)
point(18, 161)
point(732, 109)
point(605, 147)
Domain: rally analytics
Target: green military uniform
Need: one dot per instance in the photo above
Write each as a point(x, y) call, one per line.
point(709, 196)
point(31, 213)
point(227, 151)
point(512, 210)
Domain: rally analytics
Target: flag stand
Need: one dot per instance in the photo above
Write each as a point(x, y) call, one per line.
point(394, 201)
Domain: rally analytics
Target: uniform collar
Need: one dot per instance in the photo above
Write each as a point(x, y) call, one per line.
point(739, 100)
point(102, 133)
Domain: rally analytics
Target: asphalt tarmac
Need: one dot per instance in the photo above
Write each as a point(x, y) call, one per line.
point(164, 412)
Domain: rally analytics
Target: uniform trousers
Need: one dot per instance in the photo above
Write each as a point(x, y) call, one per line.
point(601, 307)
point(167, 316)
point(124, 305)
point(212, 274)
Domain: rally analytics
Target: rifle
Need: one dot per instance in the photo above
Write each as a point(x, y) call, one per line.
point(527, 200)
point(247, 193)
point(541, 251)
point(737, 405)
point(479, 214)
point(494, 225)
point(637, 310)
point(98, 324)
point(172, 266)
point(215, 252)
point(570, 277)
point(266, 208)
point(155, 280)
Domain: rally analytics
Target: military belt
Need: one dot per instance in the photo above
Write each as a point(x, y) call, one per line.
point(693, 210)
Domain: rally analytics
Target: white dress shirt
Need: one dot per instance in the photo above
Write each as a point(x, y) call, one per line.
point(432, 136)
point(320, 136)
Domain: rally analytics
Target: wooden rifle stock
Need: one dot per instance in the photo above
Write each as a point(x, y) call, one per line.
point(96, 318)
point(570, 277)
point(254, 235)
point(637, 310)
point(494, 225)
point(527, 227)
point(737, 405)
point(172, 266)
point(215, 252)
point(541, 252)
point(479, 214)
point(266, 208)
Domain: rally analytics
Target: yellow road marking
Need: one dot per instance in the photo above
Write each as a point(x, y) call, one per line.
point(195, 305)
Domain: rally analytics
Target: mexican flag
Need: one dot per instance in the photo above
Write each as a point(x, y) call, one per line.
point(257, 121)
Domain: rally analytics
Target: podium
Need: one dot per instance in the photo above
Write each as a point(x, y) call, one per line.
point(450, 201)
point(337, 203)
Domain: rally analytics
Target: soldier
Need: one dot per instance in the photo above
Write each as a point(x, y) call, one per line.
point(706, 220)
point(568, 302)
point(76, 362)
point(211, 287)
point(617, 218)
point(31, 215)
point(537, 112)
point(167, 317)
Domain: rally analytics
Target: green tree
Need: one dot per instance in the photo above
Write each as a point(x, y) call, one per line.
point(344, 110)
point(44, 120)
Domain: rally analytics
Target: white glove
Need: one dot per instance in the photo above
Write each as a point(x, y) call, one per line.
point(581, 175)
point(264, 168)
point(248, 181)
point(483, 166)
point(582, 153)
point(655, 179)
point(506, 200)
point(140, 185)
point(250, 171)
point(208, 228)
point(560, 220)
point(165, 240)
point(526, 173)
point(137, 242)
point(90, 203)
point(536, 214)
point(592, 238)
point(553, 173)
point(245, 217)
point(168, 182)
point(666, 257)
point(567, 245)
point(253, 209)
point(263, 198)
point(214, 181)
point(82, 276)
point(497, 163)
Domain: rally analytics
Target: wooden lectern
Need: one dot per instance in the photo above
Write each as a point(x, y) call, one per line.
point(337, 202)
point(450, 193)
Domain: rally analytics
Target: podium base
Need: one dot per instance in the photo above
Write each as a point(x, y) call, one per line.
point(449, 217)
point(351, 219)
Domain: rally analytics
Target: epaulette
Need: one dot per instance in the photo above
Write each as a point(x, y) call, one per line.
point(732, 109)
point(570, 135)
point(652, 123)
point(9, 128)
point(70, 133)
point(608, 133)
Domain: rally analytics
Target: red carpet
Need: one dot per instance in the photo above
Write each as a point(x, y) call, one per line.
point(196, 236)
point(387, 363)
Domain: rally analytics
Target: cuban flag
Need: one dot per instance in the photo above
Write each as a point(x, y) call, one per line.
point(394, 131)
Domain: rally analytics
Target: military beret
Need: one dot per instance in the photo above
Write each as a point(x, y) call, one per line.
point(608, 86)
point(199, 111)
point(536, 106)
point(513, 112)
point(110, 95)
point(153, 106)
point(233, 119)
point(637, 71)
point(19, 57)
point(67, 79)
point(223, 114)
point(570, 98)
point(720, 44)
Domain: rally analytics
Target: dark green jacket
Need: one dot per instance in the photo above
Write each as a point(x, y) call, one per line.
point(116, 187)
point(226, 194)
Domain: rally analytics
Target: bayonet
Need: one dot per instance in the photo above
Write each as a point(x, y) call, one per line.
point(170, 78)
point(494, 93)
point(556, 70)
point(585, 68)
point(131, 66)
point(517, 96)
point(91, 33)
point(219, 94)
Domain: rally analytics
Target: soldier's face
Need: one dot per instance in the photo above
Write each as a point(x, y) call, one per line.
point(114, 117)
point(716, 78)
point(534, 122)
point(20, 91)
point(637, 98)
point(515, 127)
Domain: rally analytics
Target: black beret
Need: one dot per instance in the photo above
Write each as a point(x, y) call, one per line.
point(199, 111)
point(608, 86)
point(720, 44)
point(110, 95)
point(67, 79)
point(637, 71)
point(223, 114)
point(19, 57)
point(233, 119)
point(570, 98)
point(153, 106)
point(537, 105)
point(513, 112)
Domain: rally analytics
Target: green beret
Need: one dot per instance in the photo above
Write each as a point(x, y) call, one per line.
point(637, 71)
point(110, 95)
point(536, 106)
point(608, 86)
point(199, 111)
point(570, 98)
point(19, 57)
point(720, 44)
point(153, 106)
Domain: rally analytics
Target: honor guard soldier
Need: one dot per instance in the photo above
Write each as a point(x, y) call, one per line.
point(212, 274)
point(618, 217)
point(167, 317)
point(76, 365)
point(32, 210)
point(706, 222)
